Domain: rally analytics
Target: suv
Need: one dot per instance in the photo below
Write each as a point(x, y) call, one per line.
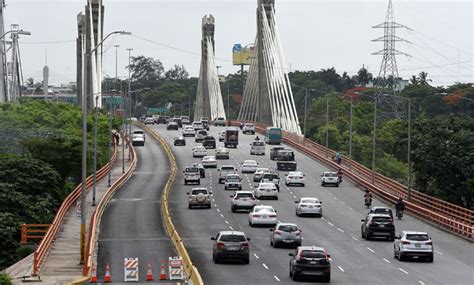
point(205, 124)
point(233, 181)
point(413, 244)
point(380, 225)
point(177, 120)
point(248, 129)
point(224, 170)
point(231, 244)
point(274, 152)
point(199, 197)
point(192, 174)
point(209, 142)
point(172, 126)
point(219, 122)
point(310, 260)
point(185, 120)
point(285, 234)
point(381, 210)
point(242, 200)
point(139, 132)
point(329, 177)
point(150, 121)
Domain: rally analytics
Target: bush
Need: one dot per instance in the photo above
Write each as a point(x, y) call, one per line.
point(5, 279)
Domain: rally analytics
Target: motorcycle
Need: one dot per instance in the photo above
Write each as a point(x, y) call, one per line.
point(368, 202)
point(399, 214)
point(339, 179)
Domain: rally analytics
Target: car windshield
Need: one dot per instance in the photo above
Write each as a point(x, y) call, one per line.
point(270, 176)
point(232, 238)
point(330, 174)
point(382, 211)
point(381, 219)
point(258, 144)
point(417, 237)
point(199, 191)
point(227, 168)
point(312, 254)
point(192, 169)
point(138, 132)
point(310, 201)
point(245, 195)
point(288, 228)
point(260, 210)
point(249, 162)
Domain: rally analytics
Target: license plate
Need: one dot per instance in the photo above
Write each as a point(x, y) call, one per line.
point(288, 240)
point(417, 245)
point(382, 226)
point(313, 262)
point(264, 217)
point(233, 248)
point(268, 190)
point(245, 199)
point(311, 206)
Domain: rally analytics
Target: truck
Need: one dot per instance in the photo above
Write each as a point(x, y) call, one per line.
point(231, 137)
point(273, 135)
point(286, 160)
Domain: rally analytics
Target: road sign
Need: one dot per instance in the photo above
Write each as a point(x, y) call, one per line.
point(130, 269)
point(175, 265)
point(157, 110)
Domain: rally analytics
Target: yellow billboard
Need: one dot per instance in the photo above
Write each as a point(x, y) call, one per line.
point(242, 55)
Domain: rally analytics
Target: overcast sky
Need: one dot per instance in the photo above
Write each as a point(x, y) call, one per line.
point(315, 34)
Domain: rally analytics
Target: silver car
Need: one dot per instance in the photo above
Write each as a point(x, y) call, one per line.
point(231, 245)
point(242, 200)
point(285, 234)
point(309, 206)
point(413, 245)
point(259, 173)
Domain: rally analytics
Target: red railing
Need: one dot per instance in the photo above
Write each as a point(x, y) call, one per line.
point(456, 219)
point(43, 249)
point(33, 231)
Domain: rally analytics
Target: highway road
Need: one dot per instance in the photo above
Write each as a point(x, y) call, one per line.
point(131, 225)
point(354, 260)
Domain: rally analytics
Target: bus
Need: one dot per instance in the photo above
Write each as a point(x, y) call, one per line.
point(273, 135)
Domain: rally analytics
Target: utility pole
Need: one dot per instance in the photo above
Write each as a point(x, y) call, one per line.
point(84, 151)
point(95, 149)
point(130, 100)
point(327, 124)
point(373, 138)
point(116, 65)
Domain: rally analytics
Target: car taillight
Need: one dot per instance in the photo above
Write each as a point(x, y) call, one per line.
point(298, 258)
point(429, 243)
point(253, 198)
point(277, 232)
point(303, 206)
point(256, 215)
point(220, 245)
point(405, 242)
point(245, 245)
point(236, 198)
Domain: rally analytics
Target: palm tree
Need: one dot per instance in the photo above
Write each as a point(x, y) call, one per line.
point(363, 76)
point(414, 80)
point(423, 78)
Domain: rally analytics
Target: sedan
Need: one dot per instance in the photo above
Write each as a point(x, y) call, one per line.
point(199, 151)
point(267, 190)
point(263, 215)
point(222, 153)
point(294, 178)
point(257, 177)
point(285, 234)
point(179, 141)
point(209, 161)
point(309, 206)
point(413, 245)
point(249, 166)
point(189, 131)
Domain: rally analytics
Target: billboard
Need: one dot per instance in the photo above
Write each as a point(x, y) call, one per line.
point(242, 55)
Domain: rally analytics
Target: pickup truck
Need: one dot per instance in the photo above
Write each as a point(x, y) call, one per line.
point(286, 160)
point(224, 170)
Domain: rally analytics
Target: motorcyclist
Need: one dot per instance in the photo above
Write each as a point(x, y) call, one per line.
point(367, 197)
point(400, 206)
point(339, 175)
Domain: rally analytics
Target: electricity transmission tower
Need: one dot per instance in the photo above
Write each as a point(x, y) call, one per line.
point(388, 77)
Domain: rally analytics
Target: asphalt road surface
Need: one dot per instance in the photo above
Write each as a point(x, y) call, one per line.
point(131, 225)
point(354, 260)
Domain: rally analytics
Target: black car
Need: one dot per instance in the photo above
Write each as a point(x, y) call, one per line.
point(378, 225)
point(274, 152)
point(311, 261)
point(381, 210)
point(179, 141)
point(161, 120)
point(205, 124)
point(172, 126)
point(209, 142)
point(177, 121)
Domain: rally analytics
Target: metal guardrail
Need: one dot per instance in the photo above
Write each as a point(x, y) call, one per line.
point(451, 217)
point(192, 272)
point(96, 216)
point(45, 245)
point(33, 231)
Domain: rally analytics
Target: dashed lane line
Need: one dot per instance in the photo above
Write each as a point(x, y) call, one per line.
point(276, 278)
point(340, 230)
point(354, 238)
point(265, 266)
point(256, 256)
point(222, 216)
point(421, 282)
point(231, 228)
point(218, 210)
point(340, 268)
point(331, 224)
point(386, 260)
point(403, 270)
point(371, 250)
point(438, 252)
point(227, 222)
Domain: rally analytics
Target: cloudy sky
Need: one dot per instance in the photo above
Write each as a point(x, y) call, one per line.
point(315, 34)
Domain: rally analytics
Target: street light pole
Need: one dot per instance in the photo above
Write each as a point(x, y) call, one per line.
point(130, 101)
point(111, 110)
point(95, 150)
point(228, 101)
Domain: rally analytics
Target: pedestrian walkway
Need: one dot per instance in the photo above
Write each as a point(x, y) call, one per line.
point(62, 263)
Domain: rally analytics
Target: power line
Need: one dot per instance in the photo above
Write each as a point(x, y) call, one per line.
point(45, 43)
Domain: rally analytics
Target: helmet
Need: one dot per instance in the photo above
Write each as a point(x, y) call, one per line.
point(367, 190)
point(400, 199)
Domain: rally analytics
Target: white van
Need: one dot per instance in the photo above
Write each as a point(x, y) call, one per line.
point(257, 147)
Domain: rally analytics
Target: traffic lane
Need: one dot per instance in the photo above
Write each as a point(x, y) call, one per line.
point(277, 264)
point(132, 224)
point(197, 226)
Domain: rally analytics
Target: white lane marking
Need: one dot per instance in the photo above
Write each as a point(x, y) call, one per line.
point(322, 218)
point(331, 224)
point(218, 210)
point(335, 198)
point(256, 256)
point(340, 230)
point(371, 250)
point(215, 205)
point(354, 238)
point(386, 260)
point(438, 252)
point(231, 228)
point(294, 196)
point(226, 222)
point(340, 268)
point(265, 266)
point(222, 216)
point(276, 278)
point(421, 282)
point(403, 270)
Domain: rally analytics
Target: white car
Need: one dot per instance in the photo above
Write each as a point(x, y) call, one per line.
point(138, 140)
point(248, 129)
point(197, 126)
point(249, 166)
point(189, 131)
point(199, 151)
point(222, 135)
point(222, 153)
point(200, 135)
point(140, 133)
point(209, 161)
point(242, 200)
point(267, 190)
point(185, 120)
point(257, 147)
point(233, 181)
point(309, 206)
point(259, 173)
point(263, 215)
point(149, 120)
point(294, 178)
point(415, 245)
point(329, 177)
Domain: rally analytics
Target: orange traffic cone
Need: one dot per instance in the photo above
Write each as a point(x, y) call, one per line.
point(94, 274)
point(107, 274)
point(163, 273)
point(149, 273)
